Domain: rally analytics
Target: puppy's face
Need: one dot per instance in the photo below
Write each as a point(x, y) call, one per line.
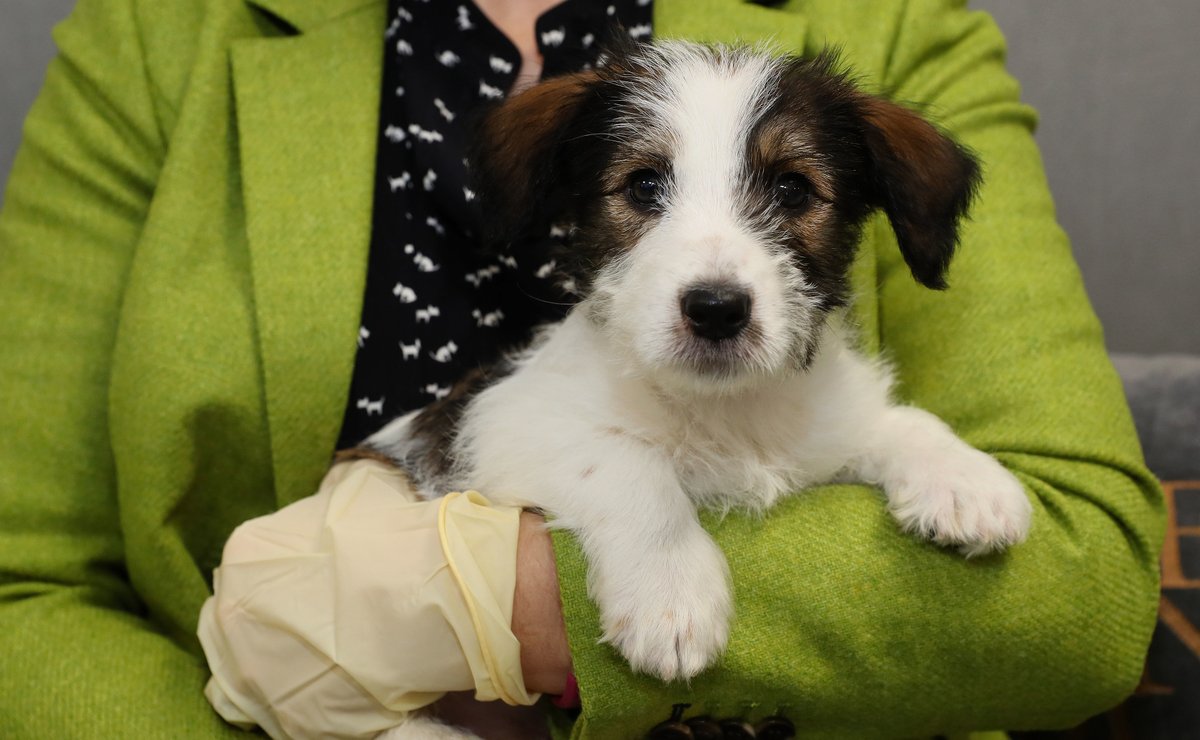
point(716, 197)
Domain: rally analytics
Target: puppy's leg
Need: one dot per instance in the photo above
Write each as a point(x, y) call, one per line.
point(940, 487)
point(661, 583)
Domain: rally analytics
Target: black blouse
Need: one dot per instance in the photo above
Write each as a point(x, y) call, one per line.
point(435, 306)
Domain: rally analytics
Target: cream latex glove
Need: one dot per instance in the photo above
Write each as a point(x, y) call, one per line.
point(344, 612)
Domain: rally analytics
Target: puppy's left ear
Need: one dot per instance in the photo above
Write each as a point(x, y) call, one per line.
point(923, 181)
point(517, 161)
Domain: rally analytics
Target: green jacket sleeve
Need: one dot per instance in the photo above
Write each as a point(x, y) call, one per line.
point(853, 629)
point(80, 659)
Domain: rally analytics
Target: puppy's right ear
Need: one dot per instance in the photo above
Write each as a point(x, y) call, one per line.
point(517, 162)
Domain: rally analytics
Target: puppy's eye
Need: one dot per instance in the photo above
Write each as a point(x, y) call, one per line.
point(793, 191)
point(645, 187)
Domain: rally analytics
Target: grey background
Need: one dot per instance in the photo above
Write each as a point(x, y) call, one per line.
point(1118, 87)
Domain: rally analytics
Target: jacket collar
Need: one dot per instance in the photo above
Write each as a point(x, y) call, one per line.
point(307, 107)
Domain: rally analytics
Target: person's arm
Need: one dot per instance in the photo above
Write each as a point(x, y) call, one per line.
point(537, 618)
point(80, 659)
point(850, 627)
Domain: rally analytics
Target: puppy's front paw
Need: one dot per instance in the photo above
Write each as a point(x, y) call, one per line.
point(963, 497)
point(669, 618)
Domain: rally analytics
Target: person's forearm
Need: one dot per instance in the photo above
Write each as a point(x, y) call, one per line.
point(537, 612)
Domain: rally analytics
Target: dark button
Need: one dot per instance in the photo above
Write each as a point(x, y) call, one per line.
point(775, 728)
point(736, 729)
point(670, 730)
point(673, 728)
point(705, 728)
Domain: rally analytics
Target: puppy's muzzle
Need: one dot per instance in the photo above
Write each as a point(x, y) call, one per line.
point(716, 312)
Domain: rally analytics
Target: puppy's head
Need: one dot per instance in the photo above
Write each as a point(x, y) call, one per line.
point(716, 197)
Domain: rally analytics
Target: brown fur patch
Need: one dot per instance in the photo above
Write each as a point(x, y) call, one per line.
point(911, 139)
point(437, 423)
point(785, 142)
point(926, 183)
point(516, 158)
point(812, 130)
point(428, 452)
point(860, 152)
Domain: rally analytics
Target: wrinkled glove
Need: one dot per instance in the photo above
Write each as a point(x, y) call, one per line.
point(344, 612)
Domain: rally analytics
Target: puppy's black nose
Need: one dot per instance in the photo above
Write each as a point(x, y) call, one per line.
point(716, 312)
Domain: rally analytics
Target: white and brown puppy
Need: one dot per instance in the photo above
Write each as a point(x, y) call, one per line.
point(716, 197)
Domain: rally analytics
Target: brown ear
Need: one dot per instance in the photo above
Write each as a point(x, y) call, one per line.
point(923, 181)
point(517, 158)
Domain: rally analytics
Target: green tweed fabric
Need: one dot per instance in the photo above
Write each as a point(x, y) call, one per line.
point(182, 256)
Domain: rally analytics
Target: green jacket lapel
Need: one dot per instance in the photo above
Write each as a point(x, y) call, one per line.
point(307, 114)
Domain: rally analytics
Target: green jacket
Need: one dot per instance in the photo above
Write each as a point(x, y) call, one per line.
point(182, 256)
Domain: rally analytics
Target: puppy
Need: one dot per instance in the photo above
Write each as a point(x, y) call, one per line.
point(715, 198)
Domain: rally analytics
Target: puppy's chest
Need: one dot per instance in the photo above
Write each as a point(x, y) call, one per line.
point(735, 461)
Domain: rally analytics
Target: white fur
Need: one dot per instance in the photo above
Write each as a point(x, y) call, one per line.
point(605, 424)
point(624, 462)
point(707, 111)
